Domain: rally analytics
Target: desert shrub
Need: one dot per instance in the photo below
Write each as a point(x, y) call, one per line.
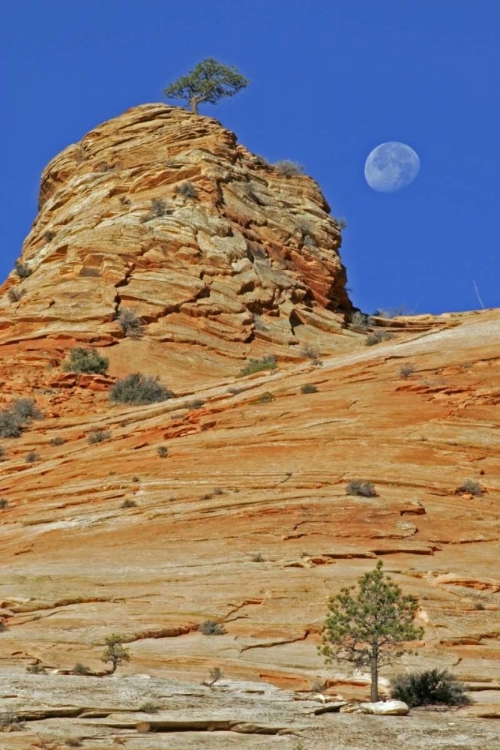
point(36, 669)
point(115, 652)
point(130, 323)
point(98, 436)
point(265, 398)
point(81, 669)
point(158, 207)
point(406, 370)
point(138, 389)
point(206, 496)
point(3, 503)
point(214, 675)
point(360, 487)
point(48, 236)
point(26, 409)
point(149, 708)
point(470, 485)
point(432, 687)
point(9, 721)
point(129, 504)
point(377, 336)
point(32, 457)
point(211, 627)
point(196, 404)
point(308, 388)
point(22, 270)
point(86, 360)
point(258, 365)
point(360, 320)
point(57, 441)
point(2, 453)
point(10, 424)
point(288, 168)
point(262, 161)
point(257, 557)
point(15, 293)
point(187, 190)
point(341, 223)
point(162, 451)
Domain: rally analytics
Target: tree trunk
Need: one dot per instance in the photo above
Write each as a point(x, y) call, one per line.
point(374, 675)
point(194, 105)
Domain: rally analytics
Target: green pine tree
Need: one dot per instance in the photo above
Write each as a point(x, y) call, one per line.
point(115, 652)
point(367, 627)
point(208, 82)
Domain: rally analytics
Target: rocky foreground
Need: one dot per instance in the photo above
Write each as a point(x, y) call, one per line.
point(245, 521)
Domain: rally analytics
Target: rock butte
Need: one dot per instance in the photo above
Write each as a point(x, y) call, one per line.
point(246, 521)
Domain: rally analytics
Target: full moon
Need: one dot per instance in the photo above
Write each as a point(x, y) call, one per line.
point(391, 166)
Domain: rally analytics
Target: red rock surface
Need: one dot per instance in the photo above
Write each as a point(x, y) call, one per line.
point(247, 520)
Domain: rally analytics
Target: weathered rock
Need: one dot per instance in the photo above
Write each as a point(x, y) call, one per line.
point(385, 708)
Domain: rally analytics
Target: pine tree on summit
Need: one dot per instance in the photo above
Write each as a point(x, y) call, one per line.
point(209, 82)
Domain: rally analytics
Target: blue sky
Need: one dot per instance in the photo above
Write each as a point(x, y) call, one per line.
point(331, 79)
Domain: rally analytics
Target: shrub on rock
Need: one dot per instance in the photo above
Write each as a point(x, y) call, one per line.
point(138, 389)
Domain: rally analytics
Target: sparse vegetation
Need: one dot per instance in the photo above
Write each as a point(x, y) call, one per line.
point(429, 688)
point(265, 398)
point(406, 370)
point(470, 486)
point(360, 487)
point(3, 503)
point(36, 669)
point(308, 388)
point(258, 365)
point(83, 360)
point(9, 722)
point(162, 451)
point(129, 503)
point(10, 424)
point(313, 354)
point(257, 557)
point(2, 453)
point(26, 409)
point(369, 626)
point(196, 404)
point(138, 389)
point(16, 293)
point(48, 236)
point(32, 457)
point(81, 669)
point(149, 708)
point(288, 168)
point(22, 270)
point(98, 436)
point(115, 653)
point(211, 627)
point(186, 189)
point(341, 223)
point(360, 320)
point(208, 82)
point(55, 441)
point(377, 337)
point(130, 323)
point(214, 675)
point(158, 208)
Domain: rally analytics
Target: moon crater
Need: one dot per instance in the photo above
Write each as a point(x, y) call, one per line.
point(391, 166)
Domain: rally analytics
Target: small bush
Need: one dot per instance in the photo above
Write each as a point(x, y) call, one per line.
point(15, 293)
point(211, 627)
point(265, 398)
point(3, 503)
point(196, 404)
point(360, 320)
point(98, 436)
point(86, 360)
point(10, 424)
point(288, 168)
point(341, 223)
point(48, 236)
point(257, 557)
point(214, 675)
point(258, 365)
point(149, 708)
point(361, 488)
point(81, 669)
point(57, 441)
point(22, 270)
point(36, 669)
point(130, 323)
point(187, 190)
point(308, 388)
point(32, 457)
point(162, 451)
point(138, 389)
point(115, 652)
point(432, 687)
point(377, 336)
point(128, 504)
point(26, 409)
point(470, 485)
point(9, 721)
point(2, 453)
point(262, 161)
point(406, 370)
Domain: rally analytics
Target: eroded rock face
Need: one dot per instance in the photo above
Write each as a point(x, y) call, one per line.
point(162, 211)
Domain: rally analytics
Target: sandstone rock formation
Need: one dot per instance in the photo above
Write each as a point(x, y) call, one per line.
point(246, 521)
